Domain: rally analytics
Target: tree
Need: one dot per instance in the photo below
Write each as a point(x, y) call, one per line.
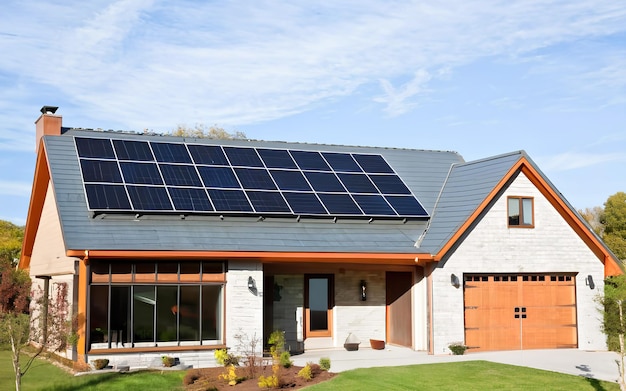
point(614, 301)
point(11, 237)
point(614, 221)
point(593, 216)
point(203, 131)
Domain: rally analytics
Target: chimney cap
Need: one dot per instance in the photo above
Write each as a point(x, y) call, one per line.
point(49, 109)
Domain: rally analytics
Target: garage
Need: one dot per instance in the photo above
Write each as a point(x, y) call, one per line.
point(520, 311)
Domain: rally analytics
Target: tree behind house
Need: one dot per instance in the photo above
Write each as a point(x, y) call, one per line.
point(204, 131)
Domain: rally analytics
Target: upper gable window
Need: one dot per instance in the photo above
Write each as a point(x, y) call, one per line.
point(521, 212)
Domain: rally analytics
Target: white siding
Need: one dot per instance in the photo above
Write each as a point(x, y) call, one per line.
point(244, 309)
point(492, 247)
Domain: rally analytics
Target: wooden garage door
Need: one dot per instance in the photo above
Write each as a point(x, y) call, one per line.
point(529, 311)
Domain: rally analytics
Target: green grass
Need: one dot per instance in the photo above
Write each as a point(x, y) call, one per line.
point(43, 376)
point(470, 375)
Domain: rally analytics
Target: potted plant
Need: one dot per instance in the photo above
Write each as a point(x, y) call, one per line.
point(457, 348)
point(100, 363)
point(168, 361)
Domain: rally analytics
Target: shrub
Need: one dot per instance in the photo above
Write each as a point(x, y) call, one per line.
point(285, 360)
point(168, 361)
point(457, 348)
point(231, 376)
point(224, 358)
point(325, 363)
point(100, 363)
point(268, 382)
point(305, 373)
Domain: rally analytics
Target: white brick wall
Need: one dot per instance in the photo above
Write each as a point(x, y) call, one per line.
point(244, 309)
point(552, 246)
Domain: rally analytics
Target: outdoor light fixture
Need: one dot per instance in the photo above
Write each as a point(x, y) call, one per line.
point(251, 284)
point(589, 282)
point(454, 280)
point(363, 290)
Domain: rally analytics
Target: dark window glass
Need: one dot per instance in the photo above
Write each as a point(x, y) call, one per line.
point(267, 201)
point(100, 171)
point(171, 153)
point(141, 173)
point(99, 322)
point(324, 181)
point(390, 184)
point(304, 203)
point(94, 147)
point(167, 310)
point(190, 268)
point(211, 312)
point(290, 180)
point(180, 175)
point(189, 313)
point(310, 161)
point(373, 164)
point(276, 158)
point(149, 198)
point(133, 150)
point(212, 267)
point(341, 162)
point(406, 206)
point(229, 200)
point(357, 183)
point(520, 211)
point(107, 197)
point(121, 332)
point(246, 157)
point(221, 177)
point(144, 306)
point(341, 204)
point(208, 154)
point(252, 178)
point(374, 205)
point(185, 199)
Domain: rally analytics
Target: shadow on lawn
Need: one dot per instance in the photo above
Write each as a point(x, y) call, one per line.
point(92, 382)
point(595, 383)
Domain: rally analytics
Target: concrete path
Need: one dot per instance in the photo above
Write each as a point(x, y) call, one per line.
point(599, 365)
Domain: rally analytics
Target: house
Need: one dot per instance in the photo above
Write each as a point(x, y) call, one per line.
point(180, 246)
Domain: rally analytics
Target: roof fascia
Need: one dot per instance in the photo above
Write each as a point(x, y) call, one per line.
point(35, 208)
point(525, 166)
point(263, 256)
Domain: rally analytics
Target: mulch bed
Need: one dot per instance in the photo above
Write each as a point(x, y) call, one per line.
point(209, 378)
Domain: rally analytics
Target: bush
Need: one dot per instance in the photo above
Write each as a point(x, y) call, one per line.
point(457, 348)
point(100, 363)
point(305, 373)
point(231, 376)
point(325, 363)
point(224, 358)
point(285, 360)
point(168, 361)
point(268, 382)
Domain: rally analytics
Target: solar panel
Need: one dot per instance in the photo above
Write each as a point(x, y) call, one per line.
point(163, 177)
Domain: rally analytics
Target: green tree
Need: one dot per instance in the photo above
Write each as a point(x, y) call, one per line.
point(614, 221)
point(614, 301)
point(204, 131)
point(11, 237)
point(593, 216)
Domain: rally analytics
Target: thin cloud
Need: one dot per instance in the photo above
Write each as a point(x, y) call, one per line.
point(400, 100)
point(14, 188)
point(576, 160)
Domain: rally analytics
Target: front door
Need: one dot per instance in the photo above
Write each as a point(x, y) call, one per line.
point(318, 304)
point(399, 314)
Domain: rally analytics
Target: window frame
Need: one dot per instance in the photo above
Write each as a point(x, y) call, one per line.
point(521, 216)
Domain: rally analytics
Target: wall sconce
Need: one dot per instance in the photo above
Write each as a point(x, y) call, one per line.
point(589, 282)
point(363, 290)
point(252, 285)
point(454, 280)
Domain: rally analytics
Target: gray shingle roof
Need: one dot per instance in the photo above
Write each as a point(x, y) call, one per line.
point(423, 171)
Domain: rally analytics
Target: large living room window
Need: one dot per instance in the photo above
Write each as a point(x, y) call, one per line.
point(520, 211)
point(147, 304)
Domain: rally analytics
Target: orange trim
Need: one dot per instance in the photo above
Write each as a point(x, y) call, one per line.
point(523, 165)
point(269, 256)
point(82, 308)
point(37, 199)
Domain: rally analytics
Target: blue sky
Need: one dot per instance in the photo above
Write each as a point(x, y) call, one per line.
point(478, 77)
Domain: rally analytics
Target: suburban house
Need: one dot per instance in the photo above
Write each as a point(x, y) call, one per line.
point(179, 246)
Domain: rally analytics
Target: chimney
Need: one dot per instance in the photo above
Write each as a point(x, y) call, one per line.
point(47, 124)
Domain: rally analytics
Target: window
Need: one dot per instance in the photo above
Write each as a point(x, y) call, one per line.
point(147, 304)
point(521, 212)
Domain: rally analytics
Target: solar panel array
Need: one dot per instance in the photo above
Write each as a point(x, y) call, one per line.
point(148, 176)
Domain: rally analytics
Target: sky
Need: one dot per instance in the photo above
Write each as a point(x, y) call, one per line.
point(481, 78)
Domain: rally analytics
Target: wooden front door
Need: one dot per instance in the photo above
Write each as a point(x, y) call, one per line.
point(511, 312)
point(399, 313)
point(318, 308)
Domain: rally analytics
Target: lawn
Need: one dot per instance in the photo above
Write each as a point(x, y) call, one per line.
point(470, 375)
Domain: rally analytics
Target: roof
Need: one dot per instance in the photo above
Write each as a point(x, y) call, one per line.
point(424, 172)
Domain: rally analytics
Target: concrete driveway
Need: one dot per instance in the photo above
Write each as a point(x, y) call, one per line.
point(599, 365)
